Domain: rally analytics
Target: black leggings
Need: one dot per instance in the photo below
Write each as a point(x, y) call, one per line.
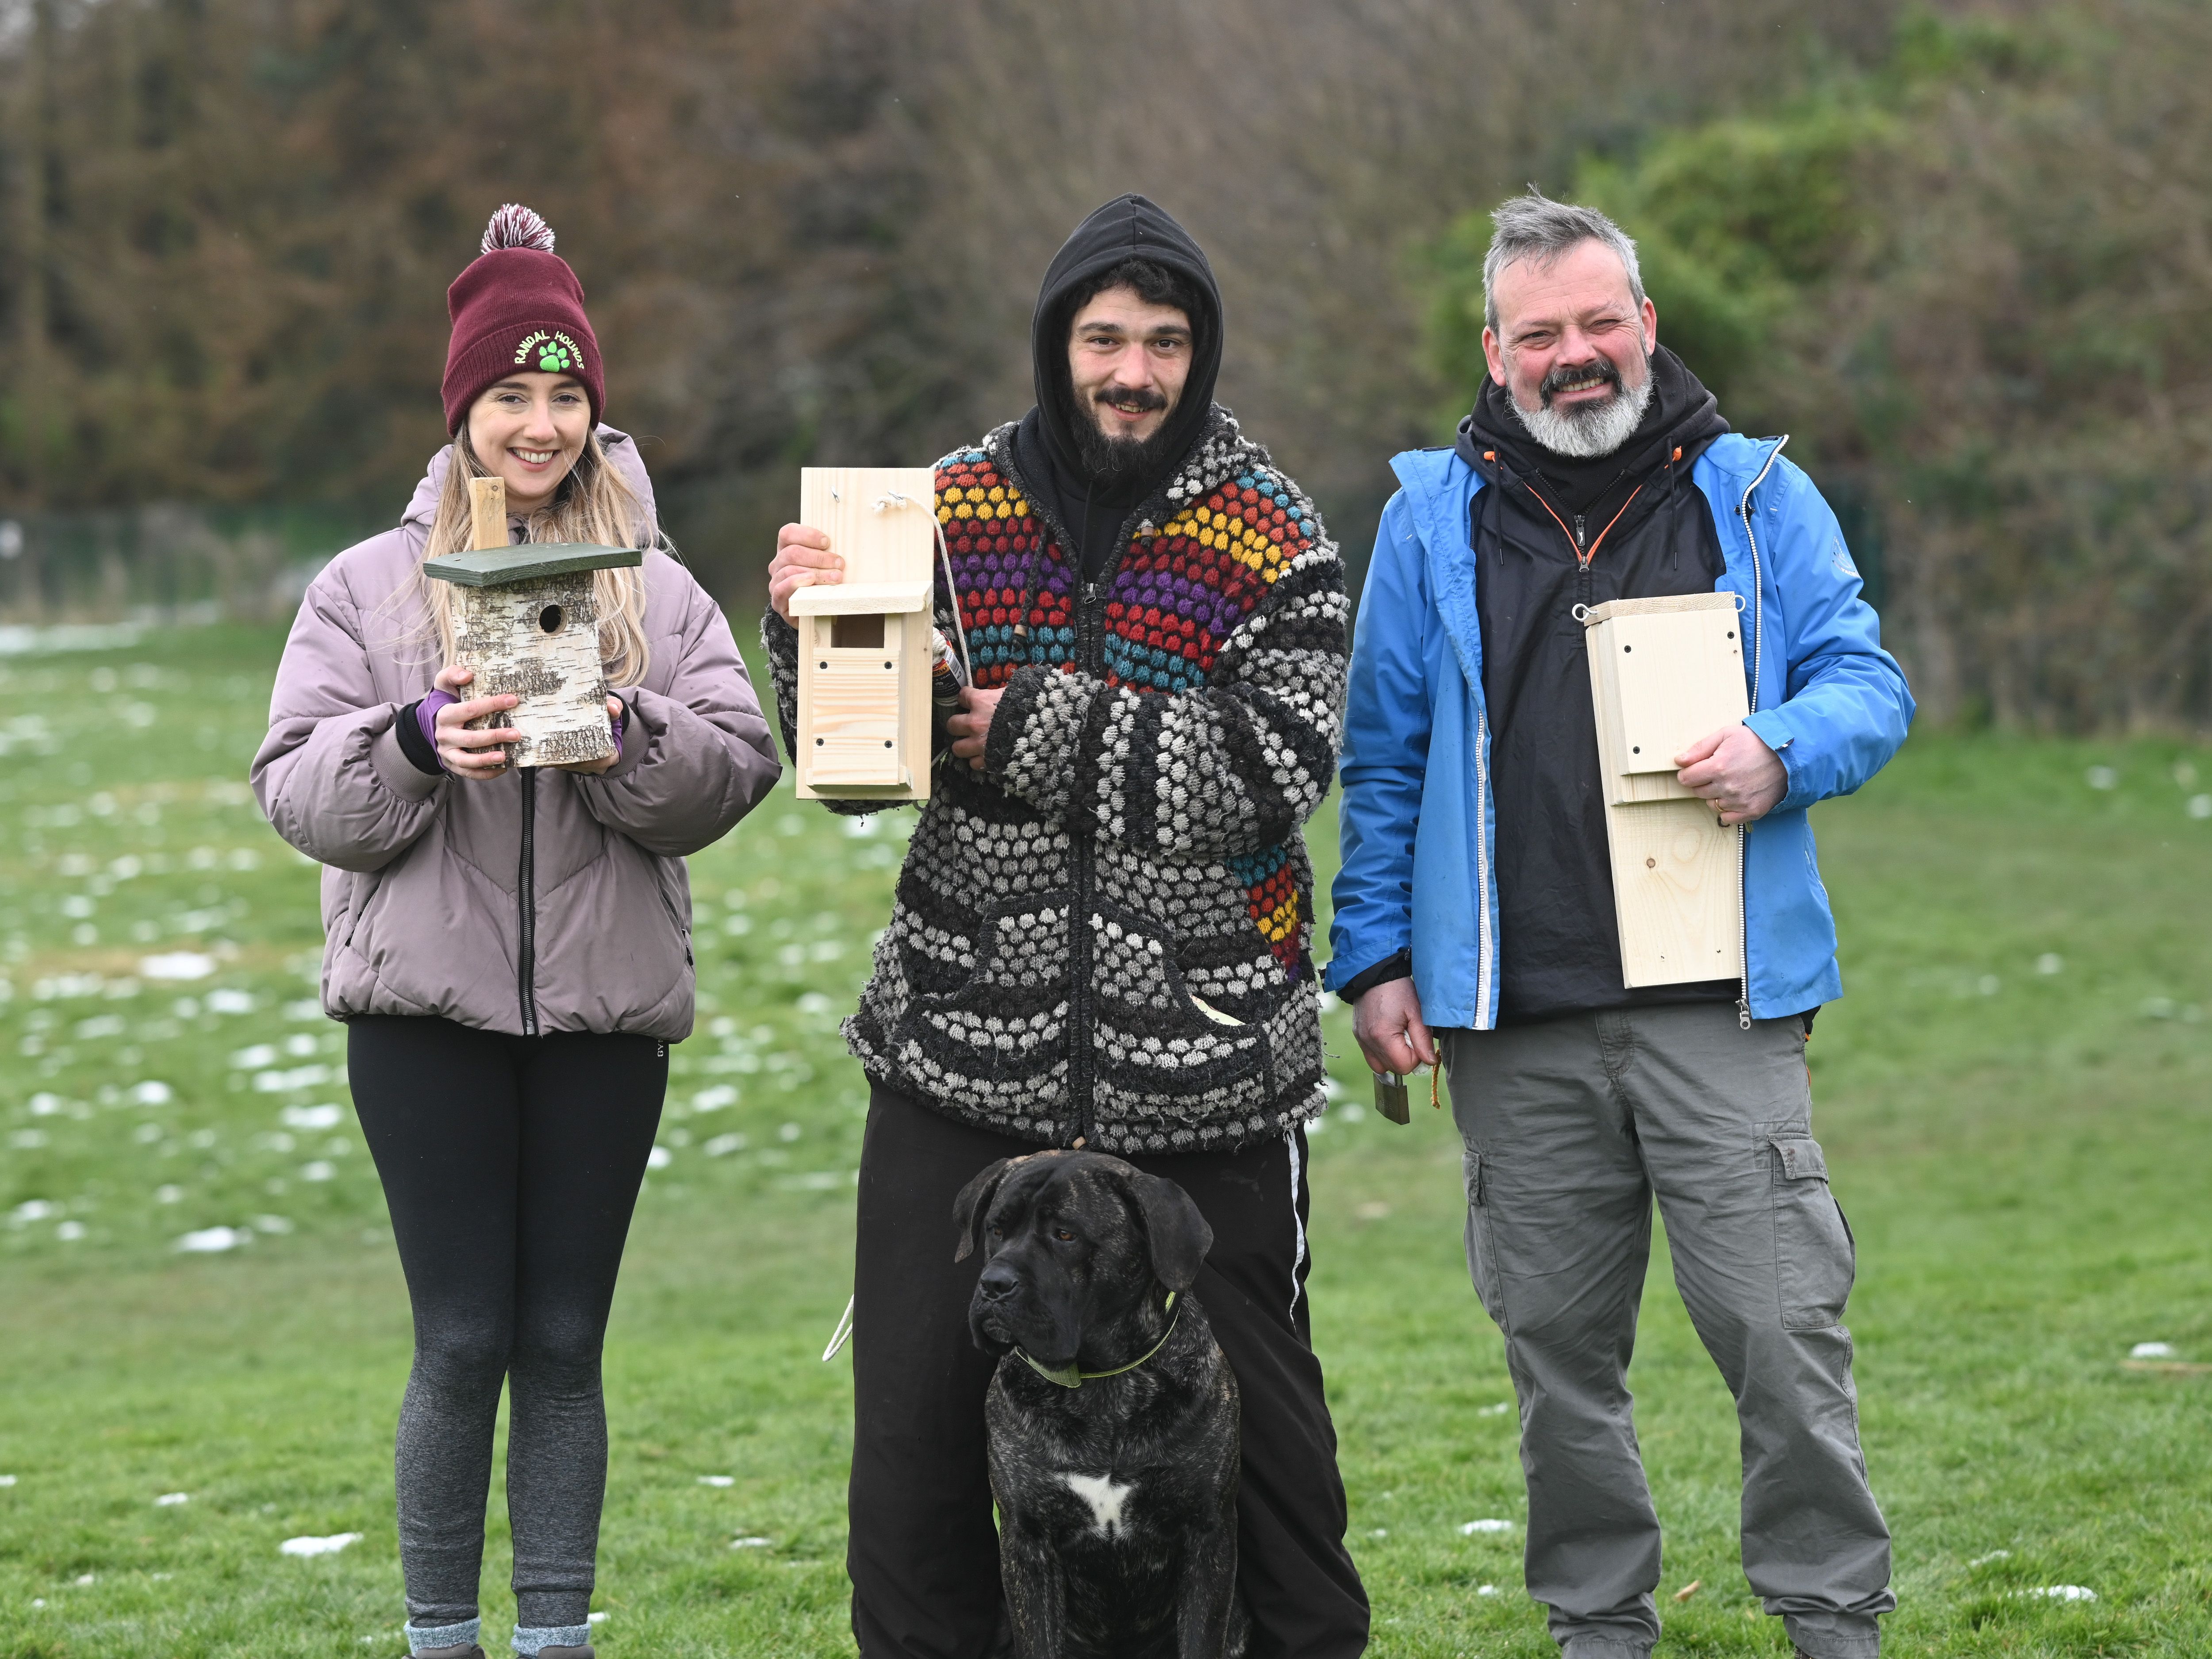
point(511, 1165)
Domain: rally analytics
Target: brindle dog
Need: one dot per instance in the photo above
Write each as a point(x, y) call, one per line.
point(1113, 1417)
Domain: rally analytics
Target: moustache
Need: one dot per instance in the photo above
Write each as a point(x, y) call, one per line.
point(1140, 397)
point(1578, 377)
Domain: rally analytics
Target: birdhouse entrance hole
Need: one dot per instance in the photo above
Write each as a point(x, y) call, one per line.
point(549, 619)
point(860, 632)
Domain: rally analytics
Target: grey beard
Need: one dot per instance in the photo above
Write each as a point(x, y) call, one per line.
point(1585, 434)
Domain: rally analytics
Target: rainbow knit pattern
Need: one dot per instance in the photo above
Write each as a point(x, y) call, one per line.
point(1181, 589)
point(1103, 933)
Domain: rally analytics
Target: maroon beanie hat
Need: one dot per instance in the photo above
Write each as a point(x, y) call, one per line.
point(518, 308)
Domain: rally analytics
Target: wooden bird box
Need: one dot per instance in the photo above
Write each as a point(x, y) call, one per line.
point(525, 619)
point(864, 643)
point(1663, 673)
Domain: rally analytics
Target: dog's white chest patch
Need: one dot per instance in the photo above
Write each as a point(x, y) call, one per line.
point(1105, 1495)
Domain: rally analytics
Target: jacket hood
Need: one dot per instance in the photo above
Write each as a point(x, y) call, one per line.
point(1126, 228)
point(422, 506)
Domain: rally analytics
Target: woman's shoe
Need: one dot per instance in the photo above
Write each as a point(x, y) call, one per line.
point(583, 1652)
point(470, 1650)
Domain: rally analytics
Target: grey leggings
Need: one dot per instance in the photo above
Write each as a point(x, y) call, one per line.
point(511, 1165)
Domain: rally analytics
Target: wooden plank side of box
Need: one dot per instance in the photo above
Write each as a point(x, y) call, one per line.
point(864, 715)
point(1672, 672)
point(881, 521)
point(1622, 787)
point(1676, 888)
point(896, 543)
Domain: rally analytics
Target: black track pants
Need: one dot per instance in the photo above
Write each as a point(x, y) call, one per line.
point(923, 1553)
point(510, 1165)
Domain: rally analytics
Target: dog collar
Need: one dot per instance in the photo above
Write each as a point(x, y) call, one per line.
point(1068, 1378)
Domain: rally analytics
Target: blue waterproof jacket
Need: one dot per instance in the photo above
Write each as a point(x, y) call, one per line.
point(1418, 819)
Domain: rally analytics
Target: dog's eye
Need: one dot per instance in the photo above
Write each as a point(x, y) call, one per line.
point(1063, 1234)
point(997, 1232)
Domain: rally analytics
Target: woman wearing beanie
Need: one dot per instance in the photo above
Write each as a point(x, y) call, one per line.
point(510, 946)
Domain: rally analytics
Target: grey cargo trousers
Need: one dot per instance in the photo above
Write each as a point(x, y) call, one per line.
point(1571, 1127)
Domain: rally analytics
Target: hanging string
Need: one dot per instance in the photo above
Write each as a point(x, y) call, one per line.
point(896, 498)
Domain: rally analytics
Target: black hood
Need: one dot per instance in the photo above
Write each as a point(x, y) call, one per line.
point(1046, 448)
point(1682, 414)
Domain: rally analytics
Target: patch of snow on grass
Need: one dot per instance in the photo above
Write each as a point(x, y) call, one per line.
point(177, 965)
point(311, 1546)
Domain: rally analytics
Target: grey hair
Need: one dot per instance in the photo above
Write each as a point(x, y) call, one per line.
point(1534, 226)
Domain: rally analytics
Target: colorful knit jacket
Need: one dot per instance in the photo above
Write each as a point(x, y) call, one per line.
point(1104, 936)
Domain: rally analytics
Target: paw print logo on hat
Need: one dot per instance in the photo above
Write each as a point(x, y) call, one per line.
point(556, 353)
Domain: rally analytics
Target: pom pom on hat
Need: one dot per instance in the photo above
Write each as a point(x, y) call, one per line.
point(517, 309)
point(516, 226)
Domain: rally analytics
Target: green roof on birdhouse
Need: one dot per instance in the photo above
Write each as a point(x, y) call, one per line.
point(502, 567)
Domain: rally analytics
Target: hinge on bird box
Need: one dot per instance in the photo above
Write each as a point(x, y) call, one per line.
point(864, 643)
point(1665, 672)
point(527, 620)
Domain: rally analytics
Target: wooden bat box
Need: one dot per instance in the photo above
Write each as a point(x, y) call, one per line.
point(1664, 673)
point(864, 643)
point(525, 618)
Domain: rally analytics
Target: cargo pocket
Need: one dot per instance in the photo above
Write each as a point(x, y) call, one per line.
point(1481, 1245)
point(1814, 1258)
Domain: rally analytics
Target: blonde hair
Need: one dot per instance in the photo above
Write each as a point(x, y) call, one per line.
point(594, 503)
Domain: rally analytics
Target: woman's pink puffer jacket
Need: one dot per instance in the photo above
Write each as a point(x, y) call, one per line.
point(541, 900)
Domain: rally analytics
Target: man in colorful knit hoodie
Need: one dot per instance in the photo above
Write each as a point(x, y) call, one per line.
point(1102, 935)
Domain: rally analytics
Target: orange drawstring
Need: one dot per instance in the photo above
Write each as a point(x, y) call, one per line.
point(1582, 557)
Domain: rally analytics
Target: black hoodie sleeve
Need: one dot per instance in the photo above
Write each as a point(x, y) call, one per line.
point(1230, 767)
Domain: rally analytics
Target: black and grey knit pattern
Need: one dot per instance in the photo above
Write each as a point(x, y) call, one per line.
point(1080, 944)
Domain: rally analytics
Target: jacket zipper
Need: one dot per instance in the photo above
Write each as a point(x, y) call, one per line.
point(525, 899)
point(1758, 663)
point(1484, 955)
point(1576, 536)
point(1079, 1080)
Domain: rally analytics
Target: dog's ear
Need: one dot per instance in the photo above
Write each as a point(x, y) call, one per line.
point(1177, 1233)
point(975, 1203)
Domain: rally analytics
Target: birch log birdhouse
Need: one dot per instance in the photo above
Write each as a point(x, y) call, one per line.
point(525, 619)
point(864, 643)
point(1665, 672)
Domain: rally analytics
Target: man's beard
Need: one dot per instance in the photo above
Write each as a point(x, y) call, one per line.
point(1115, 463)
point(1586, 431)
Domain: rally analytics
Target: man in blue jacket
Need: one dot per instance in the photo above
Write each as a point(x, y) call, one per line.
point(1474, 916)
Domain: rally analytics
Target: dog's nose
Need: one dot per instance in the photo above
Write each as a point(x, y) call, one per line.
point(998, 1281)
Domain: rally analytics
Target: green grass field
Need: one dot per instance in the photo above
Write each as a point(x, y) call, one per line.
point(2012, 1098)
